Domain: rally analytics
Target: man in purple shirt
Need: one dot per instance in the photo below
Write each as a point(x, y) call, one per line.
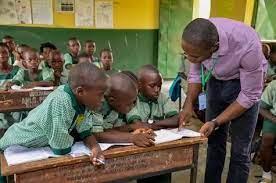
point(226, 75)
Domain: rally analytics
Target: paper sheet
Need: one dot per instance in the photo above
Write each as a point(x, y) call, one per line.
point(185, 132)
point(24, 13)
point(42, 11)
point(84, 13)
point(104, 14)
point(19, 88)
point(8, 13)
point(43, 88)
point(163, 136)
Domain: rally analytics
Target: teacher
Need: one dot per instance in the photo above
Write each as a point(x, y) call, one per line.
point(226, 75)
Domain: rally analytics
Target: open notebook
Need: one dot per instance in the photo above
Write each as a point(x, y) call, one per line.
point(19, 88)
point(18, 154)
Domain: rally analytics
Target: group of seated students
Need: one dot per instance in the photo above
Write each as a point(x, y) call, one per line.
point(93, 103)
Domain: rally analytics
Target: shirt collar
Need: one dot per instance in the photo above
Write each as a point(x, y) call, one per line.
point(142, 98)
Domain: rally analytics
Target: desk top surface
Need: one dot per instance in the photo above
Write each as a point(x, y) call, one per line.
point(110, 153)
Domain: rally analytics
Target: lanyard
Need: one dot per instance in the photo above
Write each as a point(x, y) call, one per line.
point(205, 78)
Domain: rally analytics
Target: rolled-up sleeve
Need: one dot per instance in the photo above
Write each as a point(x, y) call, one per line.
point(194, 73)
point(251, 77)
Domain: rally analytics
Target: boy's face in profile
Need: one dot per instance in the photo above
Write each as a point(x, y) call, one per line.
point(31, 60)
point(107, 60)
point(74, 46)
point(4, 55)
point(93, 96)
point(122, 103)
point(90, 48)
point(57, 62)
point(150, 86)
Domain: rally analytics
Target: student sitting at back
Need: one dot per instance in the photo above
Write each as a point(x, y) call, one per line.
point(9, 41)
point(20, 49)
point(84, 57)
point(45, 50)
point(32, 76)
point(74, 48)
point(153, 109)
point(106, 58)
point(51, 123)
point(90, 49)
point(120, 98)
point(56, 65)
point(7, 72)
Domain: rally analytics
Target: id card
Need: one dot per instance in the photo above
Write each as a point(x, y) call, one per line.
point(202, 101)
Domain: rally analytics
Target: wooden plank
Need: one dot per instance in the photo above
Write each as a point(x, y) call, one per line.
point(118, 168)
point(11, 101)
point(110, 153)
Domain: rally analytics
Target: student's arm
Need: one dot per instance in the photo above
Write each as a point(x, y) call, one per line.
point(109, 136)
point(96, 153)
point(18, 79)
point(171, 122)
point(268, 115)
point(68, 62)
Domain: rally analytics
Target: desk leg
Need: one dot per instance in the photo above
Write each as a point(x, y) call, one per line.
point(195, 163)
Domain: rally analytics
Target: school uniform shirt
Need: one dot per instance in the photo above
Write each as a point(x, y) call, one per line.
point(111, 118)
point(271, 70)
point(268, 100)
point(11, 59)
point(44, 64)
point(5, 77)
point(22, 77)
point(95, 121)
point(69, 59)
point(50, 123)
point(240, 56)
point(146, 109)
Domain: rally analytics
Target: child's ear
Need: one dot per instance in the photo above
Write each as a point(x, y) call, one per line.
point(80, 91)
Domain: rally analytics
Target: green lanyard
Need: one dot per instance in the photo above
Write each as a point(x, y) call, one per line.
point(205, 78)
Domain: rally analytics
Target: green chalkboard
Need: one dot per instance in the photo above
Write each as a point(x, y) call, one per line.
point(131, 48)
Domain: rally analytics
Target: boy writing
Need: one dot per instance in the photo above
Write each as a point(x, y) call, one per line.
point(119, 100)
point(51, 123)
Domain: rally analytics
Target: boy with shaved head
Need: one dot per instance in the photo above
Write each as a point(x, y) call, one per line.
point(51, 123)
point(120, 98)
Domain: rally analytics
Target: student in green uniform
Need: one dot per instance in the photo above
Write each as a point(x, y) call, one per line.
point(32, 76)
point(153, 109)
point(9, 41)
point(45, 50)
point(90, 49)
point(7, 72)
point(51, 123)
point(106, 58)
point(268, 111)
point(56, 66)
point(19, 56)
point(120, 98)
point(74, 48)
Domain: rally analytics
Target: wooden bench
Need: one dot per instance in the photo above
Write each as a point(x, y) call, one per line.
point(122, 164)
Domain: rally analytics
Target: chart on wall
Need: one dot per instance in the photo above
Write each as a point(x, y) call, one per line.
point(84, 13)
point(42, 11)
point(64, 6)
point(8, 13)
point(104, 14)
point(23, 10)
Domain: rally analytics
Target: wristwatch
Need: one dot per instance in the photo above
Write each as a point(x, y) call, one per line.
point(215, 123)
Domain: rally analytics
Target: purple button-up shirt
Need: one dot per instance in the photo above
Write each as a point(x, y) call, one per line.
point(240, 56)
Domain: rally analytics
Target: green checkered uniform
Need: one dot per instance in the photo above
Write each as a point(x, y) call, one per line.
point(50, 124)
point(22, 77)
point(69, 59)
point(268, 101)
point(146, 109)
point(7, 119)
point(111, 118)
point(271, 69)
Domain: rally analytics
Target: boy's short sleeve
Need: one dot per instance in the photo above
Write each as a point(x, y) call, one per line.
point(93, 122)
point(268, 96)
point(67, 59)
point(169, 107)
point(18, 79)
point(60, 140)
point(83, 125)
point(134, 114)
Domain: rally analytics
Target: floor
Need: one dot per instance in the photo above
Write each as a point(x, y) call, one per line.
point(183, 176)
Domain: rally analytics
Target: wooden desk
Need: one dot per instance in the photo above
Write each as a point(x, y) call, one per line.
point(122, 164)
point(12, 101)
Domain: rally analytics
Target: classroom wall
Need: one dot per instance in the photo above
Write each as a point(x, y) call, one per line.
point(134, 38)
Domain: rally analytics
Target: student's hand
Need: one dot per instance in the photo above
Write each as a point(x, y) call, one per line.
point(185, 116)
point(97, 157)
point(8, 85)
point(142, 139)
point(144, 130)
point(207, 129)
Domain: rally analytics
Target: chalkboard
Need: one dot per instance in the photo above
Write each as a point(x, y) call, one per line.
point(131, 48)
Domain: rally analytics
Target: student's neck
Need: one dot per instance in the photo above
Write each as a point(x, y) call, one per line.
point(74, 54)
point(4, 66)
point(33, 71)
